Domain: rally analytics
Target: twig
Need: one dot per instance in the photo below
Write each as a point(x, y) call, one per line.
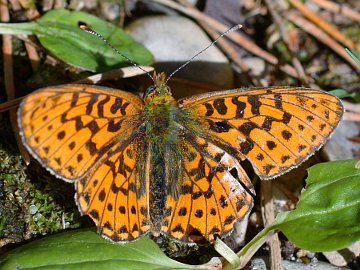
point(236, 37)
point(33, 56)
point(9, 240)
point(59, 4)
point(15, 4)
point(294, 200)
point(231, 53)
point(269, 217)
point(31, 11)
point(126, 72)
point(321, 36)
point(342, 9)
point(47, 5)
point(280, 22)
point(122, 12)
point(8, 105)
point(328, 28)
point(354, 107)
point(31, 14)
point(9, 78)
point(351, 116)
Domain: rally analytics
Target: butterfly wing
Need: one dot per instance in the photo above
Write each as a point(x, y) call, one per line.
point(116, 192)
point(93, 134)
point(207, 199)
point(69, 128)
point(276, 129)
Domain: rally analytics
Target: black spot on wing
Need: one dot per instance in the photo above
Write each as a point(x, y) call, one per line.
point(278, 101)
point(89, 106)
point(209, 109)
point(220, 107)
point(240, 107)
point(247, 127)
point(219, 127)
point(255, 104)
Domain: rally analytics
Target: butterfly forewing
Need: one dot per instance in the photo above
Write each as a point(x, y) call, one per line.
point(69, 128)
point(274, 128)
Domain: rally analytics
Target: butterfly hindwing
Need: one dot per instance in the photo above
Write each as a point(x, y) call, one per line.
point(274, 128)
point(69, 128)
point(209, 200)
point(116, 193)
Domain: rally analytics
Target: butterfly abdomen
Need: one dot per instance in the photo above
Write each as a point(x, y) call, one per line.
point(157, 195)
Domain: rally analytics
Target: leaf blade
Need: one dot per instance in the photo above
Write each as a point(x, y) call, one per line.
point(85, 249)
point(328, 214)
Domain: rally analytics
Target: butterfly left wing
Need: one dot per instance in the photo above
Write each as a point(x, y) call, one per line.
point(207, 199)
point(115, 193)
point(276, 129)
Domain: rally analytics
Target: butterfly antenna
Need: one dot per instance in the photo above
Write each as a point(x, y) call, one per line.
point(87, 29)
point(232, 29)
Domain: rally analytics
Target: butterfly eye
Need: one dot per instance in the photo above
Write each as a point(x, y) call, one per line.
point(149, 91)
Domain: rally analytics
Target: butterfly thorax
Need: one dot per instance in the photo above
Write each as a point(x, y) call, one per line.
point(159, 111)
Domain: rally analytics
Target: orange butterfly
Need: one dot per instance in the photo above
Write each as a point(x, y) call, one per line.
point(163, 166)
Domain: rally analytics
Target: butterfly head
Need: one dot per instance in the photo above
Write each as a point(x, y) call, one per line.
point(159, 90)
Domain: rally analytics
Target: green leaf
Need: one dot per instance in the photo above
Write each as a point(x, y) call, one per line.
point(59, 33)
point(354, 55)
point(327, 216)
point(85, 249)
point(341, 93)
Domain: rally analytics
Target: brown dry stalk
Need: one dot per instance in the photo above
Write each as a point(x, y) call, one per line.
point(15, 4)
point(322, 36)
point(280, 23)
point(31, 14)
point(9, 78)
point(327, 27)
point(351, 116)
point(342, 9)
point(268, 214)
point(353, 107)
point(125, 72)
point(231, 53)
point(59, 4)
point(236, 37)
point(33, 56)
point(283, 188)
point(8, 105)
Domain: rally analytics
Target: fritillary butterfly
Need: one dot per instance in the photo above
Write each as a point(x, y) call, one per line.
point(163, 166)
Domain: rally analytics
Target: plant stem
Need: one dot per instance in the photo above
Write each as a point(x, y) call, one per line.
point(18, 28)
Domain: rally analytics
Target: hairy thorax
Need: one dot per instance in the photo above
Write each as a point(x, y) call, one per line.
point(160, 113)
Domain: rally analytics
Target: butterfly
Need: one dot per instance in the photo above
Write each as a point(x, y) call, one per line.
point(161, 166)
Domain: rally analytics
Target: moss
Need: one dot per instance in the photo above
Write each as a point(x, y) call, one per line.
point(41, 205)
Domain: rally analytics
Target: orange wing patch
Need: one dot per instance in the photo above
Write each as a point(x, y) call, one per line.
point(210, 200)
point(69, 128)
point(115, 194)
point(275, 128)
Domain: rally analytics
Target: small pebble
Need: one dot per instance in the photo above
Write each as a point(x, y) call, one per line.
point(33, 209)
